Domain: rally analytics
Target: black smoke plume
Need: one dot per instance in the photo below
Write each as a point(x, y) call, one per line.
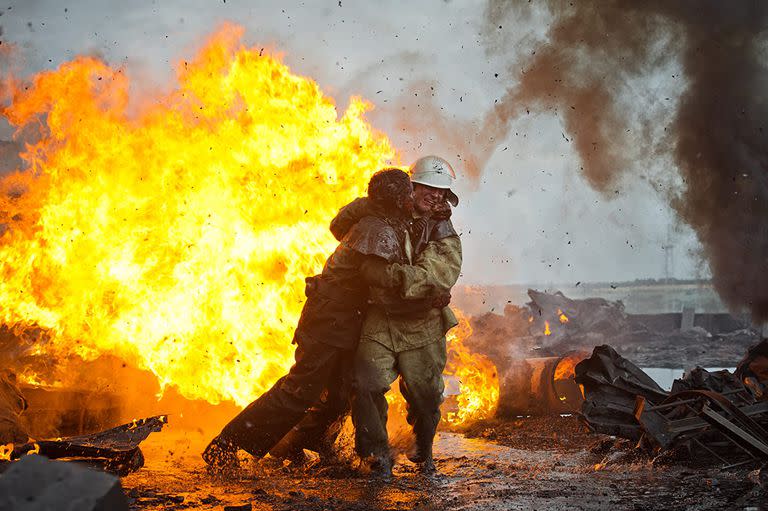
point(718, 135)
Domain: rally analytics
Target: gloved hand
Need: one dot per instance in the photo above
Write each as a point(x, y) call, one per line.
point(440, 301)
point(441, 211)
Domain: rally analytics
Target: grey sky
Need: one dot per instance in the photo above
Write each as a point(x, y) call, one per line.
point(530, 216)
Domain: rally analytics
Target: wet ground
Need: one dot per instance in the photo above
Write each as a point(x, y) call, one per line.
point(548, 463)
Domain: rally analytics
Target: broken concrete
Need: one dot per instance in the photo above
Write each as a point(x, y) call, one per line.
point(36, 483)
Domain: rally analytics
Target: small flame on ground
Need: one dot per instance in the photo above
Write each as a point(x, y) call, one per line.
point(35, 449)
point(562, 317)
point(6, 451)
point(547, 330)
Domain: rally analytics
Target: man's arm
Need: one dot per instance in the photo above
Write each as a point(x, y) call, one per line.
point(349, 215)
point(435, 271)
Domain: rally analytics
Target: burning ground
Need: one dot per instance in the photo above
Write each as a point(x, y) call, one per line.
point(522, 458)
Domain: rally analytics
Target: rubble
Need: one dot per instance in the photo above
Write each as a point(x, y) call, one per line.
point(707, 414)
point(551, 324)
point(115, 450)
point(611, 386)
point(36, 483)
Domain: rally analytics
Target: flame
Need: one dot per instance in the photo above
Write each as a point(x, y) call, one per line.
point(478, 379)
point(566, 368)
point(35, 449)
point(174, 230)
point(562, 317)
point(6, 451)
point(547, 330)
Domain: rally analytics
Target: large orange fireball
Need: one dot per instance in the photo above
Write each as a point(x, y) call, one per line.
point(178, 236)
point(175, 230)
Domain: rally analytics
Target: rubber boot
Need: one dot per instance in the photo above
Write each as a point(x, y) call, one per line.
point(377, 467)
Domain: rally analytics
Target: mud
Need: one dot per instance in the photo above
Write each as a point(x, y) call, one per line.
point(525, 464)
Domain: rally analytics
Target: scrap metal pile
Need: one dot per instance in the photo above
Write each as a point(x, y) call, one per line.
point(718, 416)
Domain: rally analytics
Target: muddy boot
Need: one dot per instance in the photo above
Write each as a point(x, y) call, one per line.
point(422, 457)
point(377, 467)
point(221, 456)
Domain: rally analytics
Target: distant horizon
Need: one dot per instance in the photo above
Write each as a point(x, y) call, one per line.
point(617, 283)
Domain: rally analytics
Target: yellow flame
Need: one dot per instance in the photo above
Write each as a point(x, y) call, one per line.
point(547, 330)
point(478, 379)
point(566, 367)
point(175, 230)
point(35, 449)
point(6, 451)
point(562, 317)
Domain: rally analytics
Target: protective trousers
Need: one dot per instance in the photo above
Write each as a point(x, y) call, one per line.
point(421, 383)
point(262, 424)
point(321, 425)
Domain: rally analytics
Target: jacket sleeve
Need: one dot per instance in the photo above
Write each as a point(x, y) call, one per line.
point(435, 270)
point(349, 215)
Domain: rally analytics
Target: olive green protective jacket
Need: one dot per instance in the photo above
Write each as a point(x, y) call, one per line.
point(434, 272)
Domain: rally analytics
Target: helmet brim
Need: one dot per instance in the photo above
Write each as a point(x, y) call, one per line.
point(453, 199)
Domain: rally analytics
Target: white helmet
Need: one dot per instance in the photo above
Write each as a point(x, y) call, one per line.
point(435, 172)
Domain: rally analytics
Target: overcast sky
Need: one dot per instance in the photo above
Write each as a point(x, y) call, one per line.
point(530, 217)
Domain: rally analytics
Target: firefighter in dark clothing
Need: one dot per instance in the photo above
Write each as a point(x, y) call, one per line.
point(329, 327)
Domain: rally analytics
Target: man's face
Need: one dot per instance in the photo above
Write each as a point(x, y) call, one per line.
point(425, 198)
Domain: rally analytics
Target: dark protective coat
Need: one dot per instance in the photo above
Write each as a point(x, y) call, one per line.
point(337, 298)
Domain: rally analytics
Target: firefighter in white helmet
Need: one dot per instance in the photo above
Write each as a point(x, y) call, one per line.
point(403, 335)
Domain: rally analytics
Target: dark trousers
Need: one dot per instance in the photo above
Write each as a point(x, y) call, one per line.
point(321, 425)
point(263, 423)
